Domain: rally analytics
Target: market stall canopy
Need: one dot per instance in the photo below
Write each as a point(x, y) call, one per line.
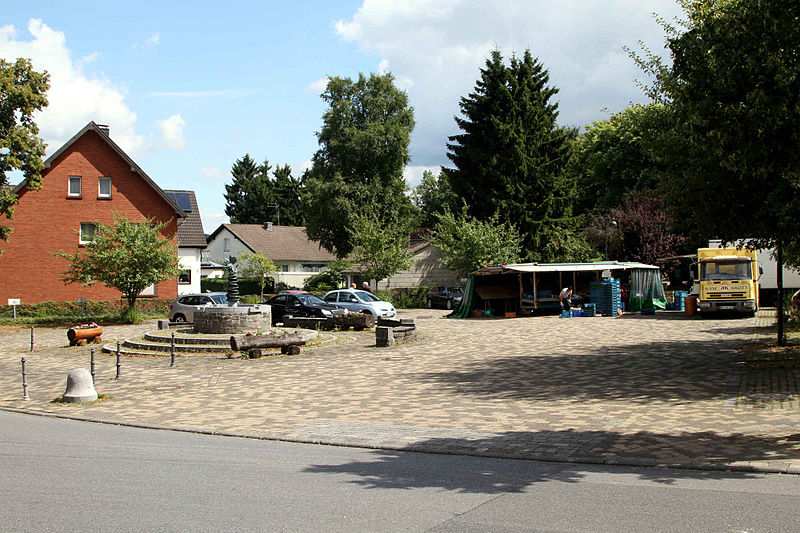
point(562, 267)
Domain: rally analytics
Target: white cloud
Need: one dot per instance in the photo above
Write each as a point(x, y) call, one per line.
point(151, 41)
point(413, 174)
point(442, 45)
point(172, 132)
point(75, 98)
point(212, 220)
point(214, 174)
point(383, 66)
point(318, 86)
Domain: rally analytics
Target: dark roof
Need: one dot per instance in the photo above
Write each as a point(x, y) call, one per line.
point(103, 134)
point(190, 229)
point(281, 243)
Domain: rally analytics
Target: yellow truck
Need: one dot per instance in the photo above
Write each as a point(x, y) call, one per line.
point(728, 280)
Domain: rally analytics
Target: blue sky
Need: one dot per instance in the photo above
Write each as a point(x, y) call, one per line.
point(189, 87)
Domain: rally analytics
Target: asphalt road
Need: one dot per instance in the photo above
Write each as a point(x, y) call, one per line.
point(60, 475)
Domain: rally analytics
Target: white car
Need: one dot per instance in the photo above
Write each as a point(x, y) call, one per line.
point(182, 309)
point(360, 302)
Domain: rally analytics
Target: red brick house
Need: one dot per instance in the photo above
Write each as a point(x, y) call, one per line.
point(87, 180)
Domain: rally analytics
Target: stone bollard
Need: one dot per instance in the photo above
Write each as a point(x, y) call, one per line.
point(79, 387)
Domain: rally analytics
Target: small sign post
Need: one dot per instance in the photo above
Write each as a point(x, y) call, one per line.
point(81, 301)
point(14, 302)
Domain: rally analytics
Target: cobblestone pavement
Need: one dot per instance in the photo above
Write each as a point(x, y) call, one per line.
point(643, 390)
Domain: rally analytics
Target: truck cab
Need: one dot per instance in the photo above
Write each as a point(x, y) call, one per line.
point(728, 280)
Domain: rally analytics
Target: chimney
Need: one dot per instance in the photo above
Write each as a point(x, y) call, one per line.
point(104, 128)
point(268, 226)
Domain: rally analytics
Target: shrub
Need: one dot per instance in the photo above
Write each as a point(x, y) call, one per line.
point(246, 285)
point(406, 297)
point(130, 315)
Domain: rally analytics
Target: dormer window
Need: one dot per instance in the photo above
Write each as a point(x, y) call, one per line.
point(104, 188)
point(74, 186)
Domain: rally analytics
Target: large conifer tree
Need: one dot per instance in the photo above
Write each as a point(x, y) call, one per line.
point(249, 199)
point(511, 158)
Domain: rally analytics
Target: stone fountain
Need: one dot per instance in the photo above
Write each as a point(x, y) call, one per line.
point(234, 317)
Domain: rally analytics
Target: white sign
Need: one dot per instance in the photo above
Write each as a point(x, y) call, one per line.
point(13, 301)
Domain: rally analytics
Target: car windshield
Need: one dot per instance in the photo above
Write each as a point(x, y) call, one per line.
point(310, 299)
point(455, 289)
point(367, 296)
point(219, 298)
point(725, 270)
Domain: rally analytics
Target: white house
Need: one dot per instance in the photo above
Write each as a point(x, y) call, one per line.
point(191, 241)
point(296, 257)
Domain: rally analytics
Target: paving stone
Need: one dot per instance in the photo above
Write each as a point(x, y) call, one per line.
point(652, 390)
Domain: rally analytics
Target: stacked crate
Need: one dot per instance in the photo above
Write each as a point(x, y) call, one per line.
point(607, 296)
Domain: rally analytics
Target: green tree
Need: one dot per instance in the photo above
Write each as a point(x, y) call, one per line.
point(381, 249)
point(329, 279)
point(359, 165)
point(433, 196)
point(734, 84)
point(127, 256)
point(249, 199)
point(288, 192)
point(256, 265)
point(622, 154)
point(468, 244)
point(511, 157)
point(22, 92)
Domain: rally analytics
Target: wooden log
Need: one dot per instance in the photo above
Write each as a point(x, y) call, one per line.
point(291, 350)
point(362, 321)
point(75, 334)
point(246, 342)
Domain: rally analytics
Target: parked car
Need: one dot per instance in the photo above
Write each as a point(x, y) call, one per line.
point(300, 304)
point(182, 309)
point(448, 297)
point(360, 302)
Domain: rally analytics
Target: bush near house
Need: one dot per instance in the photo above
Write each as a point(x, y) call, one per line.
point(69, 313)
point(405, 298)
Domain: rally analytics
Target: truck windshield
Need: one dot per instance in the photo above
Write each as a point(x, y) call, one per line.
point(725, 270)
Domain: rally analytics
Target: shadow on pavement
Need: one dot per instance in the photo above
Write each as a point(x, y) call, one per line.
point(471, 475)
point(664, 370)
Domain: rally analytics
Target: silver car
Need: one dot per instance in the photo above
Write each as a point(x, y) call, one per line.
point(360, 302)
point(182, 309)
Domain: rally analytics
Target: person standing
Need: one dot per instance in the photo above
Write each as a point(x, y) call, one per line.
point(566, 298)
point(365, 286)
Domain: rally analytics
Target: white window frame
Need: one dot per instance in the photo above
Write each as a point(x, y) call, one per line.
point(80, 232)
point(100, 187)
point(69, 186)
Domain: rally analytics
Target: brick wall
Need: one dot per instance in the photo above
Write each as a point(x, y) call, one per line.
point(47, 220)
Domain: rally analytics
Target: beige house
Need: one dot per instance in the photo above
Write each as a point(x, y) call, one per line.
point(296, 257)
point(426, 270)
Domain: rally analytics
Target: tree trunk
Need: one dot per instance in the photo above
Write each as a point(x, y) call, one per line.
point(779, 260)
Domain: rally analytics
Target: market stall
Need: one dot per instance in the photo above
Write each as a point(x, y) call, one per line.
point(526, 287)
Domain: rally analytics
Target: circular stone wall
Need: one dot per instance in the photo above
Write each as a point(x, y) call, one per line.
point(238, 319)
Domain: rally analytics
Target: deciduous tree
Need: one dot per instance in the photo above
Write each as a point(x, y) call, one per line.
point(468, 244)
point(381, 249)
point(22, 93)
point(127, 256)
point(256, 265)
point(359, 165)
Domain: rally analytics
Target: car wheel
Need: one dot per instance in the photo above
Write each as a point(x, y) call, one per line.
point(430, 303)
point(179, 318)
point(449, 304)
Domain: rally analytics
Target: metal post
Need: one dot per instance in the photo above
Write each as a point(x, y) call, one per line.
point(172, 351)
point(31, 338)
point(118, 363)
point(91, 364)
point(24, 382)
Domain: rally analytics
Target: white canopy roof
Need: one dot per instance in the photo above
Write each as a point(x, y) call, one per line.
point(562, 267)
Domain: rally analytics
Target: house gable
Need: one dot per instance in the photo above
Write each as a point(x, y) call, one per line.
point(48, 220)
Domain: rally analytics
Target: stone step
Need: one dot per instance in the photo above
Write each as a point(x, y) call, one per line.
point(179, 348)
point(196, 340)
